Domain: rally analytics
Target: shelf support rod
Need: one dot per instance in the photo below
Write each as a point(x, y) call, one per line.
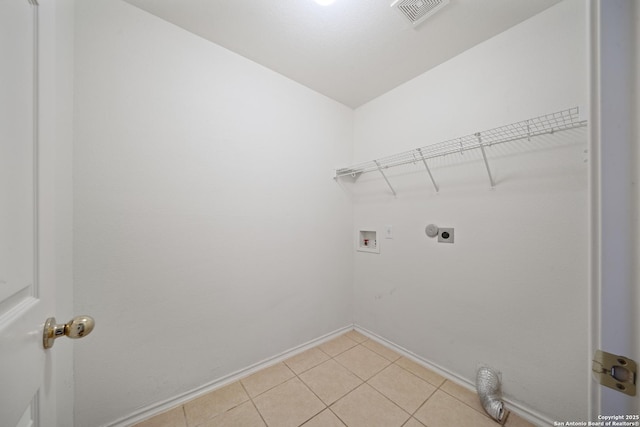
point(486, 162)
point(428, 170)
point(385, 177)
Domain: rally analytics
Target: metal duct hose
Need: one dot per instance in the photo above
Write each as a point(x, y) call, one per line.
point(488, 386)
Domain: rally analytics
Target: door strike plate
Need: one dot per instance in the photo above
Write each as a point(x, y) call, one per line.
point(616, 372)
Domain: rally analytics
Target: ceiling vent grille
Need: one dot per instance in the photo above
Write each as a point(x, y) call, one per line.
point(417, 11)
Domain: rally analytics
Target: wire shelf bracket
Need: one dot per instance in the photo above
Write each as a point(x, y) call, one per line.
point(385, 178)
point(433, 181)
point(526, 129)
point(486, 162)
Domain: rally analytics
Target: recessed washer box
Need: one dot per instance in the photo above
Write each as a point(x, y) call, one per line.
point(367, 241)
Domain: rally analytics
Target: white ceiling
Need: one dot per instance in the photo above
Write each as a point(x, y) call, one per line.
point(351, 51)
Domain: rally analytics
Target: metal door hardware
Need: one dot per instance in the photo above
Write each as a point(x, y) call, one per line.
point(78, 327)
point(616, 372)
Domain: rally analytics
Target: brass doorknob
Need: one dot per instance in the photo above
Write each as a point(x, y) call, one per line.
point(77, 327)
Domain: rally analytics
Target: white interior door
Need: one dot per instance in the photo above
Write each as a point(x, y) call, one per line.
point(26, 293)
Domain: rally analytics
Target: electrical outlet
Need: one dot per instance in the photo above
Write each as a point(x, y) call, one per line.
point(445, 235)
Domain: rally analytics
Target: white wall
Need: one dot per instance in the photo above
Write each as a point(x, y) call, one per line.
point(511, 292)
point(209, 234)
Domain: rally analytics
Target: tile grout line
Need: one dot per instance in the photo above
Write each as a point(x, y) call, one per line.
point(239, 380)
point(329, 406)
point(341, 397)
point(439, 388)
point(295, 375)
point(380, 392)
point(411, 415)
point(338, 417)
point(313, 392)
point(352, 390)
point(184, 415)
point(469, 406)
point(253, 403)
point(367, 380)
point(428, 398)
point(510, 412)
point(388, 398)
point(326, 406)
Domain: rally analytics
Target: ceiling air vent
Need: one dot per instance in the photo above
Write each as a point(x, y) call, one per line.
point(417, 11)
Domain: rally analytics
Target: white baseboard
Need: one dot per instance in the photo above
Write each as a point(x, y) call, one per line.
point(142, 414)
point(525, 412)
point(163, 406)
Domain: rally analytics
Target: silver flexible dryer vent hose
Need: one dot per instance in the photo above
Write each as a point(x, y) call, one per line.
point(488, 386)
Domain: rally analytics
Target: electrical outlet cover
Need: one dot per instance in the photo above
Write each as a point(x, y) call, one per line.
point(445, 235)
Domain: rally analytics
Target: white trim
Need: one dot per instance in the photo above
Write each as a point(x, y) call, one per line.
point(525, 412)
point(593, 402)
point(163, 406)
point(35, 286)
point(142, 414)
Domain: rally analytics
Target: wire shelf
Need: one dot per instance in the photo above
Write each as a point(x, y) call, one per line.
point(526, 129)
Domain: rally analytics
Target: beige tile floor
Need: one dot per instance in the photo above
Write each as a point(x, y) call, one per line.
point(349, 381)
